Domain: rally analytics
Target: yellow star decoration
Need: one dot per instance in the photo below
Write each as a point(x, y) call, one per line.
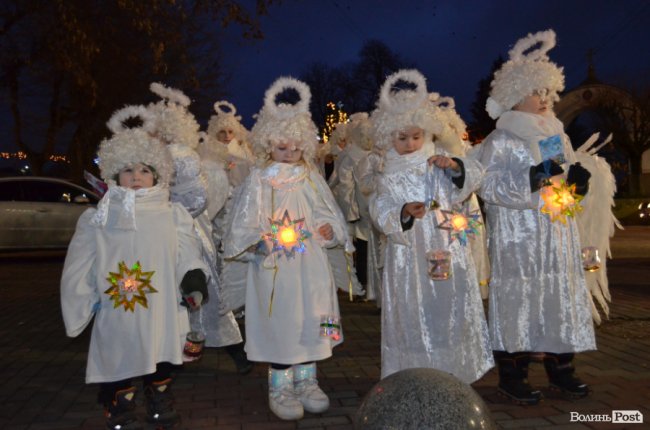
point(129, 286)
point(561, 201)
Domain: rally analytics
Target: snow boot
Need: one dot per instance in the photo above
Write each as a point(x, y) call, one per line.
point(282, 398)
point(305, 384)
point(561, 377)
point(160, 404)
point(513, 378)
point(120, 412)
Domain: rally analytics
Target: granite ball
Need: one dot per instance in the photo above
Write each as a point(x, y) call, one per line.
point(422, 399)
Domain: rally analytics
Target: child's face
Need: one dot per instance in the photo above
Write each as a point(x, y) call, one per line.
point(535, 103)
point(225, 135)
point(408, 140)
point(286, 152)
point(136, 176)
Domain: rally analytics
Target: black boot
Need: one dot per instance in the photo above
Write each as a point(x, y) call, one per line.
point(120, 412)
point(561, 377)
point(160, 404)
point(238, 355)
point(513, 378)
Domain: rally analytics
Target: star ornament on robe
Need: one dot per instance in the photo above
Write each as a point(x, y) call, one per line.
point(561, 201)
point(130, 286)
point(288, 235)
point(461, 224)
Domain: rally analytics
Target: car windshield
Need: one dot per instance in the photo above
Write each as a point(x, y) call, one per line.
point(43, 191)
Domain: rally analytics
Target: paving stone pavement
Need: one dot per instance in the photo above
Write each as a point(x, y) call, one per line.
point(42, 371)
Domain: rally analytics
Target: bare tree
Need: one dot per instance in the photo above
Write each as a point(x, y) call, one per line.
point(71, 63)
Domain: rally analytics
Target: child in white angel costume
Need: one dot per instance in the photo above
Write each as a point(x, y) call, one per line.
point(202, 188)
point(426, 321)
point(539, 301)
point(124, 266)
point(283, 219)
point(451, 139)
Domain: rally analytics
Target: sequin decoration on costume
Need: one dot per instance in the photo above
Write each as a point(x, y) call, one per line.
point(288, 235)
point(130, 286)
point(461, 224)
point(560, 200)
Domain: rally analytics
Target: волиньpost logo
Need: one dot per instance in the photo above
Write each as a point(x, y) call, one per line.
point(616, 417)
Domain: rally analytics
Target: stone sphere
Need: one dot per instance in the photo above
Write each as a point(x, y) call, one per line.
point(422, 399)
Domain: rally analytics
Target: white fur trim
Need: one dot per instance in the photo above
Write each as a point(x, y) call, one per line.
point(546, 39)
point(404, 100)
point(284, 110)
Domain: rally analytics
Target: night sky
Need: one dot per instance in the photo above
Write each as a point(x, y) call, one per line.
point(453, 43)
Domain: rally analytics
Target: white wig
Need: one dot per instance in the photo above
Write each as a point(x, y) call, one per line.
point(284, 122)
point(226, 118)
point(174, 123)
point(129, 146)
point(525, 73)
point(360, 131)
point(452, 127)
point(398, 109)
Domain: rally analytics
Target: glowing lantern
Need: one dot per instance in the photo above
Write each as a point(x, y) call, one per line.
point(288, 235)
point(461, 224)
point(560, 200)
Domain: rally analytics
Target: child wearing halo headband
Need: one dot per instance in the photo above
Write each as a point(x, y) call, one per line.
point(539, 301)
point(283, 218)
point(124, 266)
point(432, 314)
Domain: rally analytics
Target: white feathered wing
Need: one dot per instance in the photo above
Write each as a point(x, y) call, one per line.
point(597, 222)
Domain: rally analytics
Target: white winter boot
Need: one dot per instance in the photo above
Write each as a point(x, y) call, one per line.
point(282, 399)
point(305, 384)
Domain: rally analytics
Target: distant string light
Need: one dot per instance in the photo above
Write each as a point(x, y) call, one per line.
point(20, 155)
point(335, 115)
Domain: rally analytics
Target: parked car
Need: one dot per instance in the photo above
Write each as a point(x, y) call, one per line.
point(40, 213)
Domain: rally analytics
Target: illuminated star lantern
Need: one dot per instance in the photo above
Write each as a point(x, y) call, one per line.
point(461, 224)
point(129, 286)
point(288, 235)
point(560, 200)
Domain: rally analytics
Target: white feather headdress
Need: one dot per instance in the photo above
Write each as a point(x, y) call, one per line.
point(398, 109)
point(174, 123)
point(524, 73)
point(129, 146)
point(285, 122)
point(226, 117)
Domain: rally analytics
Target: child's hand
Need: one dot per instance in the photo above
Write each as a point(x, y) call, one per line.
point(326, 231)
point(443, 162)
point(414, 209)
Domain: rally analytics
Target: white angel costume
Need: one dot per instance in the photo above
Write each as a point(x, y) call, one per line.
point(425, 323)
point(538, 296)
point(286, 295)
point(202, 193)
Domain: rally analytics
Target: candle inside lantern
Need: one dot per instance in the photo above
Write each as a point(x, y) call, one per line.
point(459, 222)
point(288, 236)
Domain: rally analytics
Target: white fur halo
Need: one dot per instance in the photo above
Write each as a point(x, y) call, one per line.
point(231, 109)
point(170, 94)
point(404, 100)
point(284, 110)
point(116, 123)
point(546, 39)
point(445, 103)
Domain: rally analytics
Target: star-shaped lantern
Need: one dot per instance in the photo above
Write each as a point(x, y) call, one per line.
point(461, 224)
point(288, 235)
point(129, 286)
point(560, 200)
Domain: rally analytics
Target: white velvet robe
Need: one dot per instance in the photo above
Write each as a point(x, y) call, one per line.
point(427, 323)
point(286, 297)
point(158, 234)
point(538, 296)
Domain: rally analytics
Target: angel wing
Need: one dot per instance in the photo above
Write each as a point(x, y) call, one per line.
point(596, 222)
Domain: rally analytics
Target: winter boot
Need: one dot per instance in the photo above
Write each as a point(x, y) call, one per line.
point(560, 371)
point(120, 412)
point(160, 404)
point(282, 398)
point(238, 355)
point(305, 384)
point(513, 378)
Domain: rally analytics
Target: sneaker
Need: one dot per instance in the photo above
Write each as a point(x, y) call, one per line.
point(120, 413)
point(520, 392)
point(160, 404)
